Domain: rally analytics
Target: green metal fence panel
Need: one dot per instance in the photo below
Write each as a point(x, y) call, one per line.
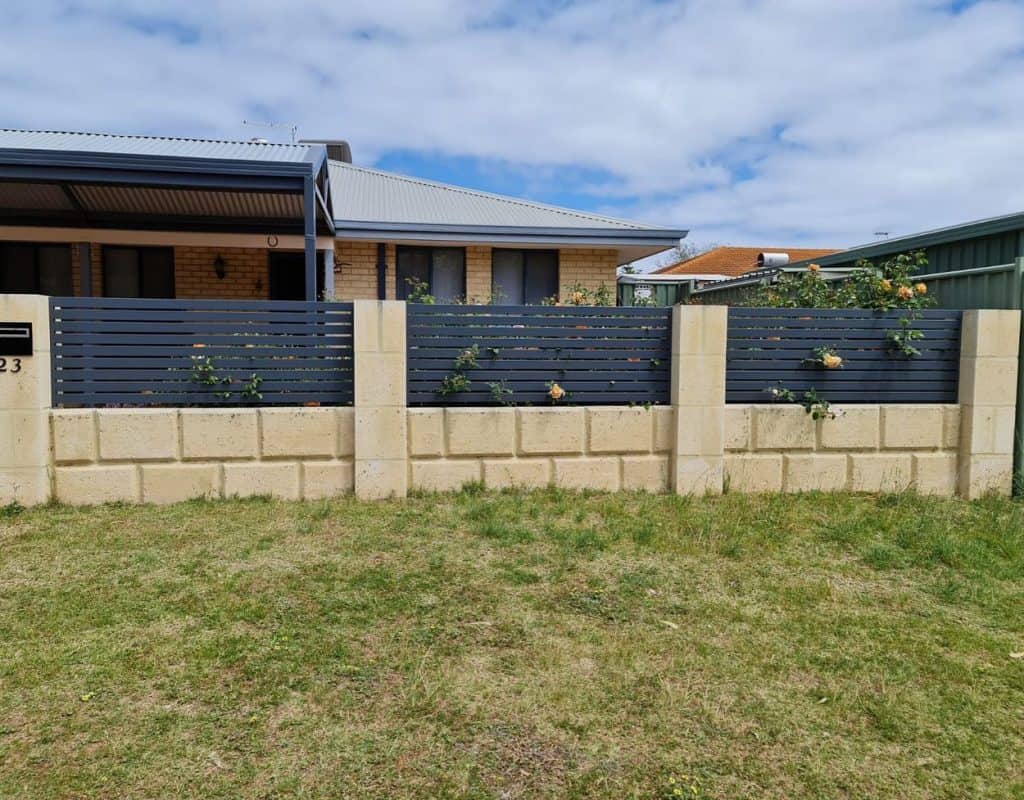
point(653, 293)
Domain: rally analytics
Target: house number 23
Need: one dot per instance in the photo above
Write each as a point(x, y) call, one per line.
point(12, 365)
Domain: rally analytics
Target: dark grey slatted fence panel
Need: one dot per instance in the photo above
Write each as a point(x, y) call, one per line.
point(114, 351)
point(767, 346)
point(603, 356)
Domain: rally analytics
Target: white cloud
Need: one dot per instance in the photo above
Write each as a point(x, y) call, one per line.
point(782, 121)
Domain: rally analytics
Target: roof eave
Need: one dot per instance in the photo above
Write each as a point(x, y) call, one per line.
point(503, 234)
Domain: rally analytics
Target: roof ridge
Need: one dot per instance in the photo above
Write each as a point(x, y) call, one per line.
point(500, 197)
point(156, 138)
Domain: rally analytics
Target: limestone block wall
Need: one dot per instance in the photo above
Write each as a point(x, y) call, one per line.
point(596, 447)
point(168, 455)
point(867, 448)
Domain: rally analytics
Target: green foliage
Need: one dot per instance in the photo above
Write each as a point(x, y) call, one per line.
point(419, 292)
point(453, 384)
point(467, 359)
point(501, 392)
point(885, 286)
point(204, 373)
point(813, 403)
point(825, 357)
point(580, 295)
point(251, 388)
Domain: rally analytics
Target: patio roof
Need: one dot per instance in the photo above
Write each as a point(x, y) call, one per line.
point(145, 182)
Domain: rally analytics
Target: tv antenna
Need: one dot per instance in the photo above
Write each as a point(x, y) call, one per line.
point(294, 129)
point(882, 234)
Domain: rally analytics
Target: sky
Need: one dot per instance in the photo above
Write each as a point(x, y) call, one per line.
point(765, 123)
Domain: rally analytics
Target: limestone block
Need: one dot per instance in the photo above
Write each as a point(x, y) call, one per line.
point(620, 430)
point(218, 433)
point(173, 483)
point(982, 475)
point(480, 431)
point(426, 431)
point(880, 472)
point(909, 427)
point(664, 428)
point(814, 472)
point(298, 432)
point(550, 430)
point(28, 486)
point(322, 479)
point(74, 435)
point(753, 473)
point(381, 478)
point(529, 473)
point(600, 473)
point(988, 381)
point(698, 380)
point(645, 473)
point(137, 434)
point(783, 428)
point(24, 438)
point(277, 479)
point(380, 379)
point(737, 427)
point(856, 428)
point(346, 431)
point(951, 420)
point(987, 430)
point(380, 433)
point(698, 475)
point(92, 485)
point(935, 473)
point(700, 431)
point(990, 332)
point(448, 475)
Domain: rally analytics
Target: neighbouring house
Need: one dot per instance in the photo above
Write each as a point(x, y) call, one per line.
point(137, 216)
point(721, 263)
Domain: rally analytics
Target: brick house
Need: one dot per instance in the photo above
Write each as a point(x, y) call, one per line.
point(134, 216)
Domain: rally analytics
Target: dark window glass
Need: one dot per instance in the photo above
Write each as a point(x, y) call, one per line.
point(287, 276)
point(523, 276)
point(442, 270)
point(34, 268)
point(138, 272)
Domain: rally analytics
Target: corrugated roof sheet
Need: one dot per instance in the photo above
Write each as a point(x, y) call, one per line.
point(734, 261)
point(184, 202)
point(153, 146)
point(371, 195)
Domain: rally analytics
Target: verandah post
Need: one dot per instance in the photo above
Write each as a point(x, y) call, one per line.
point(698, 398)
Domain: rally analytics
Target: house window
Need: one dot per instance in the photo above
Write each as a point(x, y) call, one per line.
point(523, 277)
point(441, 269)
point(36, 269)
point(138, 272)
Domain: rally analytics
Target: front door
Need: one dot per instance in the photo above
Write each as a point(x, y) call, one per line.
point(288, 276)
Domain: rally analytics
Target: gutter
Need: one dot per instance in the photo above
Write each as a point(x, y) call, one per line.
point(361, 229)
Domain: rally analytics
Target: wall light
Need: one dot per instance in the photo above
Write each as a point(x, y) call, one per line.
point(220, 267)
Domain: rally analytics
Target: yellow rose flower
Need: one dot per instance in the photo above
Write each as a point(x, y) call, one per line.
point(813, 268)
point(832, 361)
point(577, 298)
point(556, 392)
point(920, 288)
point(886, 285)
point(904, 293)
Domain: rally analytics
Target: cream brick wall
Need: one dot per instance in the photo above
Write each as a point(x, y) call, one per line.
point(866, 448)
point(355, 272)
point(579, 448)
point(169, 455)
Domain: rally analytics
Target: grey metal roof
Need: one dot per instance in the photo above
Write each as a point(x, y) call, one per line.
point(164, 146)
point(386, 199)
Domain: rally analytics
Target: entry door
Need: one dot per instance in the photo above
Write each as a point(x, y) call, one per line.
point(288, 276)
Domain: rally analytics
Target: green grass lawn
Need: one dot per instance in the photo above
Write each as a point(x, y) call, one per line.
point(514, 645)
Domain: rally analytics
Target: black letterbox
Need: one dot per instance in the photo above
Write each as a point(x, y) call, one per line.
point(15, 338)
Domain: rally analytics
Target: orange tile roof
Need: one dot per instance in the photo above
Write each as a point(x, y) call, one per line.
point(734, 261)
